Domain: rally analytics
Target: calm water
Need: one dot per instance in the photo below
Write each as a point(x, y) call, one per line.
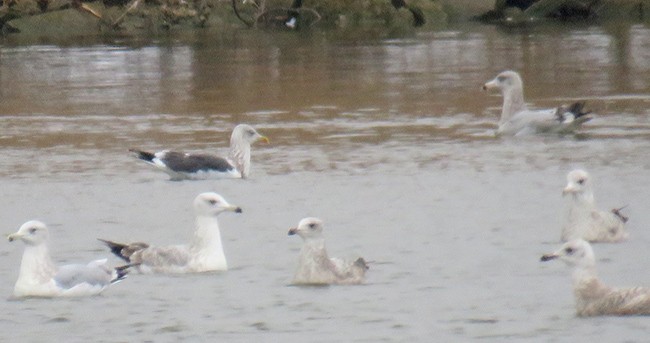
point(389, 140)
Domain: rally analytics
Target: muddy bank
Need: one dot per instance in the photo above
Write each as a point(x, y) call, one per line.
point(518, 12)
point(72, 17)
point(137, 17)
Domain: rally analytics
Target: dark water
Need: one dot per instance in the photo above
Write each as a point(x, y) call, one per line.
point(389, 140)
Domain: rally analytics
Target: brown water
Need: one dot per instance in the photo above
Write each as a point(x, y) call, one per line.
point(389, 140)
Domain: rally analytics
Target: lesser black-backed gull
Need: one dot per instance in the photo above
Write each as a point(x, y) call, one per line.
point(188, 166)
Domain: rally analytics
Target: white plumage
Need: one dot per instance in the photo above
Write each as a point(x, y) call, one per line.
point(188, 166)
point(517, 119)
point(584, 220)
point(315, 267)
point(40, 277)
point(593, 298)
point(205, 252)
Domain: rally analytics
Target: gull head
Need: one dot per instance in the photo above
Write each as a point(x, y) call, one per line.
point(246, 133)
point(211, 204)
point(308, 228)
point(32, 232)
point(574, 253)
point(577, 183)
point(504, 82)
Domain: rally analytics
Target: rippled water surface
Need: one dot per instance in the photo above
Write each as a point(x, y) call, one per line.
point(389, 140)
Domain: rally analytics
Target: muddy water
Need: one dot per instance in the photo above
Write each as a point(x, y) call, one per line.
point(389, 140)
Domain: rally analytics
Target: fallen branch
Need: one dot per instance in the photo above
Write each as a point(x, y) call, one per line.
point(85, 8)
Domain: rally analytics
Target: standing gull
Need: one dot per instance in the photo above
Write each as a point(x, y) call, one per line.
point(517, 119)
point(39, 277)
point(593, 298)
point(203, 254)
point(584, 220)
point(186, 166)
point(315, 267)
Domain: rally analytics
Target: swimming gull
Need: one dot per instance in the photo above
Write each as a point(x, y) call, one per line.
point(584, 220)
point(40, 277)
point(517, 119)
point(203, 254)
point(187, 166)
point(593, 298)
point(315, 267)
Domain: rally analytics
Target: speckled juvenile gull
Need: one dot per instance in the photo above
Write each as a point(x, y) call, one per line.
point(315, 267)
point(203, 254)
point(517, 119)
point(584, 220)
point(40, 277)
point(186, 166)
point(593, 298)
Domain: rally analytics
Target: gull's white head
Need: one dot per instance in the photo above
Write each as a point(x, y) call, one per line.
point(211, 204)
point(308, 228)
point(32, 232)
point(246, 133)
point(504, 82)
point(578, 183)
point(575, 253)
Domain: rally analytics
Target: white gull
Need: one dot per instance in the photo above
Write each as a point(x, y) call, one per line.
point(187, 166)
point(593, 298)
point(584, 220)
point(517, 119)
point(40, 277)
point(203, 254)
point(315, 267)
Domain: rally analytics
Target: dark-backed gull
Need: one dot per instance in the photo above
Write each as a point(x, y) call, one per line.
point(188, 166)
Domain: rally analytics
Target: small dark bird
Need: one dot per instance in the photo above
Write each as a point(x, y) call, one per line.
point(418, 16)
point(292, 14)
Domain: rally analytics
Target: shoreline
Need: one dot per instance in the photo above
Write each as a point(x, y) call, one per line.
point(157, 18)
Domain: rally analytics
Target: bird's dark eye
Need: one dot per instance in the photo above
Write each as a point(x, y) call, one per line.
point(32, 230)
point(212, 201)
point(581, 181)
point(251, 133)
point(501, 78)
point(312, 226)
point(569, 250)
